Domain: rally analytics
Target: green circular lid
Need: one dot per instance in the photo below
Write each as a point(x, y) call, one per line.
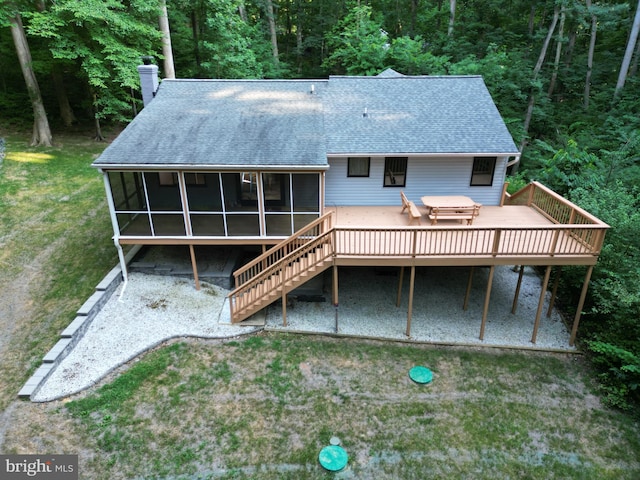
point(334, 458)
point(420, 374)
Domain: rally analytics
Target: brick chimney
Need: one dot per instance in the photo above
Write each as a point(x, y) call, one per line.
point(148, 79)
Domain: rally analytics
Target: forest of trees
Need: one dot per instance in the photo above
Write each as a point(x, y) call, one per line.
point(564, 74)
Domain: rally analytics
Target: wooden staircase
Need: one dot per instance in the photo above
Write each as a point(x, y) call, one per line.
point(281, 269)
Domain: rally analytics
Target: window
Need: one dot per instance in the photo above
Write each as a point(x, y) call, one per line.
point(483, 169)
point(358, 167)
point(395, 171)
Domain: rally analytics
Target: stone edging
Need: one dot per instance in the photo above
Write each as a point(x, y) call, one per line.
point(71, 335)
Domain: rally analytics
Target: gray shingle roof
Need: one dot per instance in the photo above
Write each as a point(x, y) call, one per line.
point(225, 123)
point(413, 115)
point(278, 123)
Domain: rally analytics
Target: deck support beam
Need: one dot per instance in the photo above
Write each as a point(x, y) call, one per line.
point(284, 307)
point(514, 307)
point(335, 294)
point(487, 296)
point(335, 285)
point(194, 266)
point(583, 295)
point(400, 278)
point(543, 291)
point(554, 291)
point(465, 305)
point(412, 281)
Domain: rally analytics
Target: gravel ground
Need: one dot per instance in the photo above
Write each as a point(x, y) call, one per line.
point(153, 309)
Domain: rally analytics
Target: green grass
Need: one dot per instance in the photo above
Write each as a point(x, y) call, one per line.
point(52, 206)
point(263, 406)
point(271, 402)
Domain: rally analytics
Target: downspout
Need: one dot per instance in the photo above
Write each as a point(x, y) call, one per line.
point(116, 230)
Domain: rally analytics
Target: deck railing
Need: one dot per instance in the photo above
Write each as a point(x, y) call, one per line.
point(553, 206)
point(469, 241)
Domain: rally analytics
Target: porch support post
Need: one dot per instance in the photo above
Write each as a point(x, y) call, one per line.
point(335, 294)
point(412, 281)
point(514, 307)
point(465, 305)
point(583, 295)
point(554, 291)
point(400, 286)
point(335, 285)
point(486, 301)
point(194, 266)
point(543, 291)
point(284, 307)
point(115, 226)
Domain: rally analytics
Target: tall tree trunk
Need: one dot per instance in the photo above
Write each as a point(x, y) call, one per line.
point(271, 19)
point(634, 65)
point(66, 112)
point(41, 130)
point(532, 18)
point(98, 137)
point(556, 63)
point(536, 71)
point(242, 12)
point(167, 51)
point(631, 45)
point(452, 17)
point(592, 48)
point(196, 38)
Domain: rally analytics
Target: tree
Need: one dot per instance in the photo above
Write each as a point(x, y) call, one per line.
point(631, 45)
point(358, 44)
point(41, 130)
point(167, 51)
point(592, 47)
point(106, 41)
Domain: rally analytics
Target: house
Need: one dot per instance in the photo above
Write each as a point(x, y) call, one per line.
point(253, 162)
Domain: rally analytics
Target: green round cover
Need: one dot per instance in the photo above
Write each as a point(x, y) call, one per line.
point(333, 458)
point(420, 374)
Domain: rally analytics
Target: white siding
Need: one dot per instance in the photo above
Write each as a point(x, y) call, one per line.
point(425, 176)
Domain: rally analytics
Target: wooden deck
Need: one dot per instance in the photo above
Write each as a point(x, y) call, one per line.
point(512, 234)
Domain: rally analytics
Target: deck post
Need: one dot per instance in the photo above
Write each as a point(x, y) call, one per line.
point(468, 292)
point(194, 266)
point(284, 307)
point(486, 302)
point(554, 291)
point(545, 284)
point(335, 285)
point(583, 295)
point(514, 307)
point(412, 280)
point(400, 286)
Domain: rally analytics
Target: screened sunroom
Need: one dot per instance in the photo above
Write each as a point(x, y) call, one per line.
point(212, 205)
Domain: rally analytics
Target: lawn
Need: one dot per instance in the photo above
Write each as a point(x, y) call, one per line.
point(263, 406)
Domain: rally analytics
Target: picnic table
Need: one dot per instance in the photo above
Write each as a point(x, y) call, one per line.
point(450, 207)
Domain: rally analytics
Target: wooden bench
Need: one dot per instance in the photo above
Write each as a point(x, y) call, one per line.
point(414, 213)
point(454, 213)
point(405, 201)
point(410, 207)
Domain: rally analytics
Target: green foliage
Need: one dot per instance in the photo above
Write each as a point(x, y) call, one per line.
point(571, 167)
point(621, 373)
point(105, 39)
point(358, 44)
